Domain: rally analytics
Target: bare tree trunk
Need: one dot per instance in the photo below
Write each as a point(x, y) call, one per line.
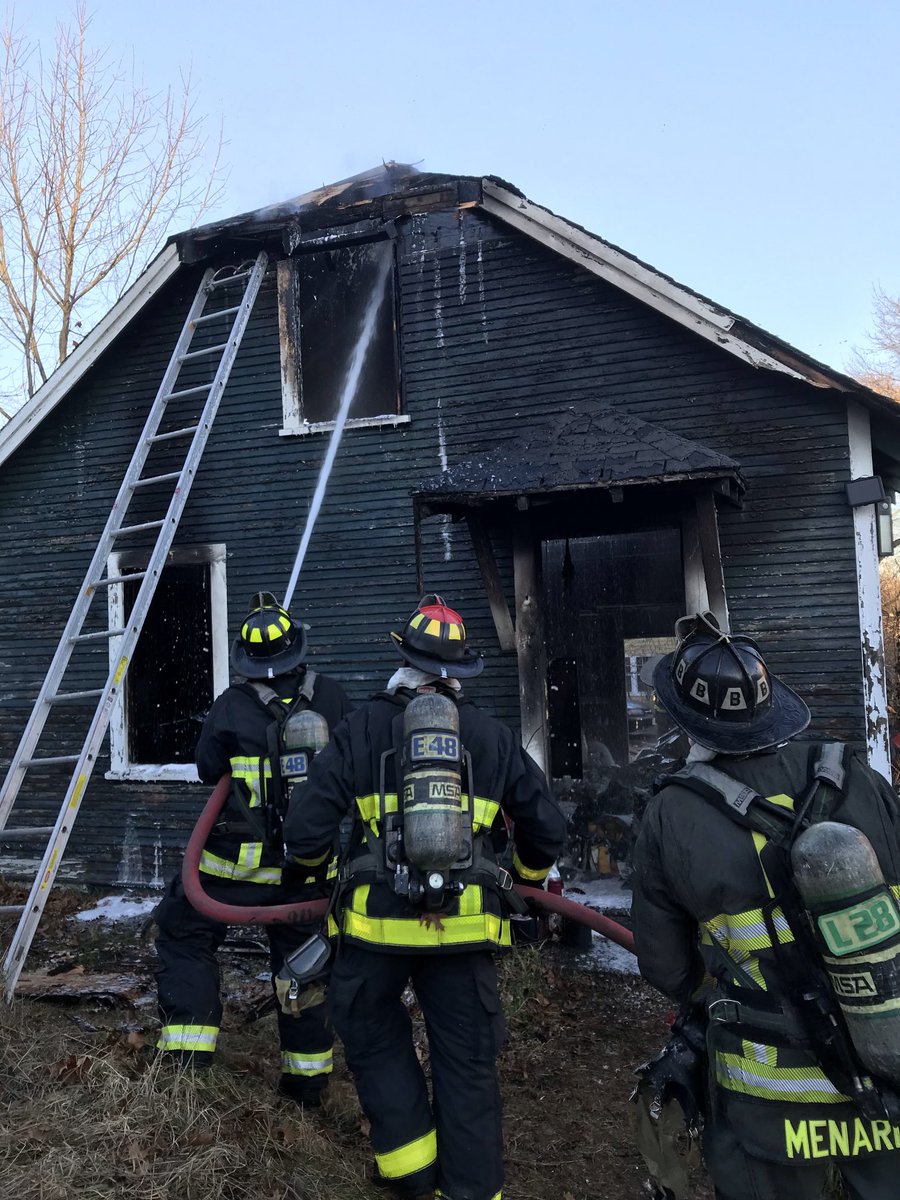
point(93, 170)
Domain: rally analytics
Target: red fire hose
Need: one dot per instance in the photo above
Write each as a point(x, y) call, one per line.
point(304, 913)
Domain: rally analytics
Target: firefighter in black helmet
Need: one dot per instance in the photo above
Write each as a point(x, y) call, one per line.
point(396, 929)
point(720, 926)
point(242, 862)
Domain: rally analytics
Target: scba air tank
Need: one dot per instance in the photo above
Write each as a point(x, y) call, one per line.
point(857, 924)
point(433, 826)
point(303, 735)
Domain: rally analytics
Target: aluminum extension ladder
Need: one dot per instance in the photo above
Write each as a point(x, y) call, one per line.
point(230, 284)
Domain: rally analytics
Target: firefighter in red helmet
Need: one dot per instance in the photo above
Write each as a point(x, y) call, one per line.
point(242, 861)
point(437, 929)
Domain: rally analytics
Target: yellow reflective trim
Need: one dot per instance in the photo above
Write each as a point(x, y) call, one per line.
point(454, 633)
point(308, 1063)
point(225, 868)
point(284, 622)
point(274, 631)
point(255, 635)
point(433, 628)
point(471, 902)
point(188, 1037)
point(407, 932)
point(250, 855)
point(417, 620)
point(483, 815)
point(484, 812)
point(781, 800)
point(745, 933)
point(536, 873)
point(806, 1085)
point(406, 1160)
point(311, 862)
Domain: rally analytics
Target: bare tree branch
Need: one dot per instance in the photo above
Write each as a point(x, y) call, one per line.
point(94, 169)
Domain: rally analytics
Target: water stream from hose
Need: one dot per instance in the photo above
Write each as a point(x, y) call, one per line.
point(351, 383)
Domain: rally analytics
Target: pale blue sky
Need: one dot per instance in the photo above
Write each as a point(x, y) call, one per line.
point(748, 149)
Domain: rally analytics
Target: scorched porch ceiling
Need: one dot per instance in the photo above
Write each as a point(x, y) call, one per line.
point(577, 451)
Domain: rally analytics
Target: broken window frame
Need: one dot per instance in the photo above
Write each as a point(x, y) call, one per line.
point(294, 424)
point(213, 556)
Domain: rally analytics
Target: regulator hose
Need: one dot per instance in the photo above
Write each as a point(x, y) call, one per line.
point(305, 912)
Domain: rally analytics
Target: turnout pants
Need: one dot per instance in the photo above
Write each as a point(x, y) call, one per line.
point(454, 1143)
point(188, 986)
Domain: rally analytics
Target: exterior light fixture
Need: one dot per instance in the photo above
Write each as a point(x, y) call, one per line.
point(870, 490)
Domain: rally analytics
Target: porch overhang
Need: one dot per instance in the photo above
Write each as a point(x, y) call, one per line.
point(580, 452)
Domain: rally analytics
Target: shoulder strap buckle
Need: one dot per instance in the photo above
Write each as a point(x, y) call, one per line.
point(829, 765)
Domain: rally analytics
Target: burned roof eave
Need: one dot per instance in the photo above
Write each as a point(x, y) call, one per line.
point(432, 503)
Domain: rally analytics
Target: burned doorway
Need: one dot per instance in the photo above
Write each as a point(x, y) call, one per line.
point(611, 602)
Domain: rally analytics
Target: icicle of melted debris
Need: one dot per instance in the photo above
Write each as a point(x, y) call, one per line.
point(131, 867)
point(446, 536)
point(481, 305)
point(421, 254)
point(462, 257)
point(438, 300)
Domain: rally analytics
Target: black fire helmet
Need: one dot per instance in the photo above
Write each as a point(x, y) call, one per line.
point(270, 643)
point(718, 689)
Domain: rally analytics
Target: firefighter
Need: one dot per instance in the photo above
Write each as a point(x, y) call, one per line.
point(718, 926)
point(242, 861)
point(444, 950)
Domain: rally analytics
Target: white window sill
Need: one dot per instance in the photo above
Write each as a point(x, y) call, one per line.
point(307, 427)
point(149, 772)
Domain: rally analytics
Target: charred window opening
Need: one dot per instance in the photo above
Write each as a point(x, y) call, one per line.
point(325, 299)
point(179, 665)
point(169, 686)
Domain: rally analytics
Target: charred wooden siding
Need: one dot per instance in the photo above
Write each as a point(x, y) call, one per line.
point(495, 333)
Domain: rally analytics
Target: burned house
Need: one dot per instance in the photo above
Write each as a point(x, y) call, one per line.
point(568, 445)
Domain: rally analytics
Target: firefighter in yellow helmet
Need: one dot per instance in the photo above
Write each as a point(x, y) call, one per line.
point(718, 897)
point(436, 929)
point(242, 861)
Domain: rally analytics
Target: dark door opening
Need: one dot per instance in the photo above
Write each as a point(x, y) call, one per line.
point(611, 602)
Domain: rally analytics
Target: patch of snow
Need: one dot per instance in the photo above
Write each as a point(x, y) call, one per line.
point(599, 893)
point(117, 908)
point(605, 955)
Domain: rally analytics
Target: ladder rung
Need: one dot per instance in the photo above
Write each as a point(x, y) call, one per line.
point(217, 283)
point(194, 391)
point(220, 348)
point(118, 579)
point(62, 761)
point(26, 833)
point(123, 529)
point(175, 433)
point(75, 697)
point(97, 637)
point(151, 479)
point(220, 312)
point(11, 908)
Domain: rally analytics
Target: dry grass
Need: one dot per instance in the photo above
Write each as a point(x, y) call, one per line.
point(97, 1117)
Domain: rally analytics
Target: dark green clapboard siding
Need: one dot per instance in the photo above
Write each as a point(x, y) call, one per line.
point(495, 333)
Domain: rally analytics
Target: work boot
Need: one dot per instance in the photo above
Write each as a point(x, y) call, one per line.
point(298, 1089)
point(390, 1185)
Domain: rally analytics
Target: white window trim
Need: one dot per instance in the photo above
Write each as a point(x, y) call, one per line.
point(120, 766)
point(305, 428)
point(293, 424)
